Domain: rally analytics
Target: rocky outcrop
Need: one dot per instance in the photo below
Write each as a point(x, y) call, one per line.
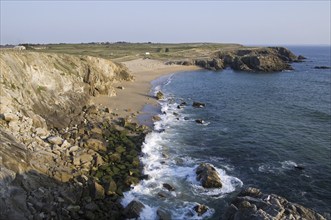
point(60, 157)
point(208, 176)
point(54, 86)
point(268, 59)
point(251, 203)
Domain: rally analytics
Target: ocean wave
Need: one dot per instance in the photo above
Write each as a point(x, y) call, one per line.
point(164, 162)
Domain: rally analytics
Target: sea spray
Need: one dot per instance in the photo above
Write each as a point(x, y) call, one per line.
point(165, 161)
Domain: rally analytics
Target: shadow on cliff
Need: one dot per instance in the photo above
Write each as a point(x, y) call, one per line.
point(32, 195)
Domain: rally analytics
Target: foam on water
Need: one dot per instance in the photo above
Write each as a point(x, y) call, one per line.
point(177, 170)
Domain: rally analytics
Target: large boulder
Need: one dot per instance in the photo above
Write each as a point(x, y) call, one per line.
point(251, 203)
point(208, 176)
point(133, 209)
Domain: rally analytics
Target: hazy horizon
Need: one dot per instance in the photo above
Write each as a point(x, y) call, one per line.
point(247, 23)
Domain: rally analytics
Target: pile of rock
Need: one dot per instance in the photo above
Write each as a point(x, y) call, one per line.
point(251, 203)
point(79, 171)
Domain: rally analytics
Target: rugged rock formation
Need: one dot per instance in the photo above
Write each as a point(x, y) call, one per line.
point(251, 203)
point(271, 59)
point(61, 158)
point(208, 176)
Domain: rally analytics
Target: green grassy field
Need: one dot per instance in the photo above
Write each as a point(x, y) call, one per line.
point(129, 51)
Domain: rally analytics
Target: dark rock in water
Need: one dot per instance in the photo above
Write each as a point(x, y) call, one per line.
point(183, 104)
point(133, 209)
point(168, 187)
point(175, 114)
point(163, 194)
point(198, 105)
point(251, 203)
point(199, 121)
point(200, 209)
point(159, 95)
point(299, 167)
point(156, 118)
point(300, 57)
point(322, 67)
point(208, 176)
point(186, 118)
point(163, 214)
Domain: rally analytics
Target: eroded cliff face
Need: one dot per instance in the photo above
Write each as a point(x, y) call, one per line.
point(52, 141)
point(54, 86)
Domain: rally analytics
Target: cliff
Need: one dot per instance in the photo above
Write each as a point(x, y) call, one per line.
point(55, 147)
point(264, 59)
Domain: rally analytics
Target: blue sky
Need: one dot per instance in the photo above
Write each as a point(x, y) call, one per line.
point(245, 22)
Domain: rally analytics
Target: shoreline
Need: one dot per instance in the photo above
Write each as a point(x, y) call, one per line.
point(132, 96)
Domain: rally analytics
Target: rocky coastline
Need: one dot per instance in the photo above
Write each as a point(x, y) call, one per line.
point(265, 59)
point(62, 157)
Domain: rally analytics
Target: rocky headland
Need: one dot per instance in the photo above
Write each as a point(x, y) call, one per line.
point(264, 59)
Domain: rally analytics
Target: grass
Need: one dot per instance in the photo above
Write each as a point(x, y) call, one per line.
point(129, 51)
point(41, 89)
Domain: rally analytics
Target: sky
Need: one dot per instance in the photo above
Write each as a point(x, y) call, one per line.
point(245, 22)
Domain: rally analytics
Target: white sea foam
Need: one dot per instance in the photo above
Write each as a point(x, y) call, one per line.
point(177, 169)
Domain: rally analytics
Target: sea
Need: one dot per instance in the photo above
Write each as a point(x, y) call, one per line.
point(258, 129)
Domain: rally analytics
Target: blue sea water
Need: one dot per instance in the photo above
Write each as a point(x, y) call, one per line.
point(258, 128)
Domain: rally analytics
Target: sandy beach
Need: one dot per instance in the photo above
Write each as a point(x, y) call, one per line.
point(135, 95)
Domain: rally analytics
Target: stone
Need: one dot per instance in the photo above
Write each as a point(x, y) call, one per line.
point(198, 105)
point(112, 187)
point(300, 57)
point(96, 130)
point(55, 140)
point(97, 191)
point(133, 209)
point(252, 202)
point(85, 158)
point(199, 121)
point(96, 145)
point(73, 148)
point(159, 95)
point(208, 176)
point(156, 118)
point(91, 206)
point(120, 87)
point(322, 67)
point(200, 209)
point(73, 208)
point(168, 187)
point(10, 117)
point(163, 214)
point(42, 132)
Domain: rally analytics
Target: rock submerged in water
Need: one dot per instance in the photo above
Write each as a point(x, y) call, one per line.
point(133, 209)
point(159, 95)
point(322, 67)
point(198, 105)
point(208, 176)
point(200, 209)
point(200, 121)
point(251, 203)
